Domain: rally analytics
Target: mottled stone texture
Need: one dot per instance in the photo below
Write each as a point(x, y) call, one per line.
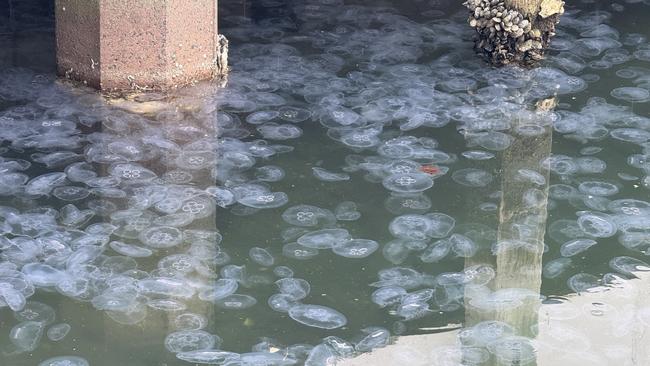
point(136, 44)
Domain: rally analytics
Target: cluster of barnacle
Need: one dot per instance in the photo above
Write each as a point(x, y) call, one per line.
point(505, 35)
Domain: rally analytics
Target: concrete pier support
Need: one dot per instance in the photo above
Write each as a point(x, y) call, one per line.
point(138, 45)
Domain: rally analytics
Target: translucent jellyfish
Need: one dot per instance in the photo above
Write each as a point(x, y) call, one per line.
point(513, 350)
point(495, 141)
point(131, 172)
point(582, 282)
point(527, 175)
point(269, 173)
point(463, 246)
point(26, 335)
point(297, 288)
point(297, 251)
point(477, 155)
point(261, 256)
point(294, 114)
point(274, 131)
point(189, 340)
point(415, 227)
point(347, 211)
point(408, 182)
point(327, 176)
point(308, 216)
point(169, 305)
point(628, 265)
point(44, 184)
point(356, 248)
point(37, 312)
point(597, 225)
point(220, 289)
point(261, 117)
point(190, 321)
point(58, 331)
point(42, 275)
point(387, 296)
point(471, 177)
point(408, 203)
point(65, 361)
point(317, 316)
point(441, 224)
point(576, 246)
point(324, 239)
point(161, 237)
point(436, 251)
point(281, 302)
point(236, 302)
point(210, 357)
point(371, 338)
point(163, 286)
point(634, 135)
point(70, 193)
point(396, 251)
point(631, 94)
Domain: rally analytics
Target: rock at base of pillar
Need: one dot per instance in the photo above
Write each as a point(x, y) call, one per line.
point(505, 36)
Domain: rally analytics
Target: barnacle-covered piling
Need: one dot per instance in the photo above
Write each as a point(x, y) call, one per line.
point(516, 31)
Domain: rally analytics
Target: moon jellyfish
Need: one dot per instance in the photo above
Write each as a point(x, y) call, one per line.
point(514, 350)
point(190, 321)
point(189, 340)
point(26, 335)
point(317, 316)
point(294, 114)
point(274, 131)
point(631, 94)
point(477, 155)
point(576, 246)
point(308, 216)
point(161, 237)
point(582, 282)
point(327, 176)
point(220, 289)
point(296, 288)
point(347, 211)
point(297, 251)
point(356, 248)
point(415, 227)
point(371, 338)
point(628, 265)
point(324, 239)
point(261, 256)
point(408, 182)
point(58, 331)
point(471, 177)
point(236, 302)
point(64, 361)
point(261, 117)
point(597, 225)
point(210, 357)
point(633, 135)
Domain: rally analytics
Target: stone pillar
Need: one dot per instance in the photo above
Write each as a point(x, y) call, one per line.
point(138, 44)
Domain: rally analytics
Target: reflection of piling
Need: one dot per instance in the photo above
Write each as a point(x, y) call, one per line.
point(522, 215)
point(522, 221)
point(513, 30)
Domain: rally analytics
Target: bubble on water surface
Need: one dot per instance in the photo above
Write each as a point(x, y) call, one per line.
point(317, 316)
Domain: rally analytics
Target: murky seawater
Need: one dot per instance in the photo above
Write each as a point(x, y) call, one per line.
point(362, 191)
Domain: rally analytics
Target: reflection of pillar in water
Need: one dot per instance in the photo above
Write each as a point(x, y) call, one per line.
point(521, 226)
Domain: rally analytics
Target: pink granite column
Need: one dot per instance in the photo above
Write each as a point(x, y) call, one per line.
point(138, 44)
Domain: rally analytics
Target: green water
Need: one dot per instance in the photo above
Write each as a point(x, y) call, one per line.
point(338, 282)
